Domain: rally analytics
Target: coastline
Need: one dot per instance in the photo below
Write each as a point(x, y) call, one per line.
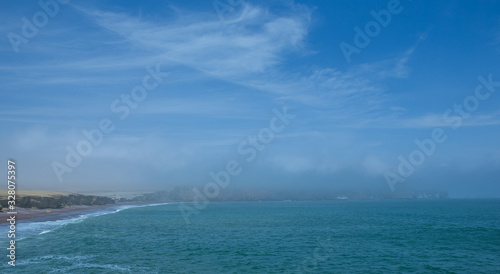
point(24, 214)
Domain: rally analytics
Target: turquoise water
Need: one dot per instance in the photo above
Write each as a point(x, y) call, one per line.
point(422, 236)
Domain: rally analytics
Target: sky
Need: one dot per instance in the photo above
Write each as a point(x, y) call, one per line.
point(362, 95)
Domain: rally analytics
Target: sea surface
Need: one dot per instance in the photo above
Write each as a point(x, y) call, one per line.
point(393, 236)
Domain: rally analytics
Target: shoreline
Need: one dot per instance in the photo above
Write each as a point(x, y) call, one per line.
point(34, 215)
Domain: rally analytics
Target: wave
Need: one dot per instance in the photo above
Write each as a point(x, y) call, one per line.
point(76, 263)
point(123, 207)
point(32, 228)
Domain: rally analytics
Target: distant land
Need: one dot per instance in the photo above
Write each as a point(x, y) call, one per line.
point(53, 200)
point(56, 200)
point(186, 194)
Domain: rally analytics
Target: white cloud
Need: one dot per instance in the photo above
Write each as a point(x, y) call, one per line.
point(249, 44)
point(247, 50)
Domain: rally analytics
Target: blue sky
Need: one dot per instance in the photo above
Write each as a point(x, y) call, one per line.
point(227, 71)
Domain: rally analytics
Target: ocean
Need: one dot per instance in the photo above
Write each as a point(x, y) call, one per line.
point(390, 236)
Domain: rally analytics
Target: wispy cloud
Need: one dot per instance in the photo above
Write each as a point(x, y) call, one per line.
point(251, 43)
point(248, 51)
point(429, 120)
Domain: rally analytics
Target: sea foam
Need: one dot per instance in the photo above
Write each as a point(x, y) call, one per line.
point(34, 227)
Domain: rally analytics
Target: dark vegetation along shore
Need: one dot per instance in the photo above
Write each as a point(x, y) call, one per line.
point(54, 200)
point(33, 204)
